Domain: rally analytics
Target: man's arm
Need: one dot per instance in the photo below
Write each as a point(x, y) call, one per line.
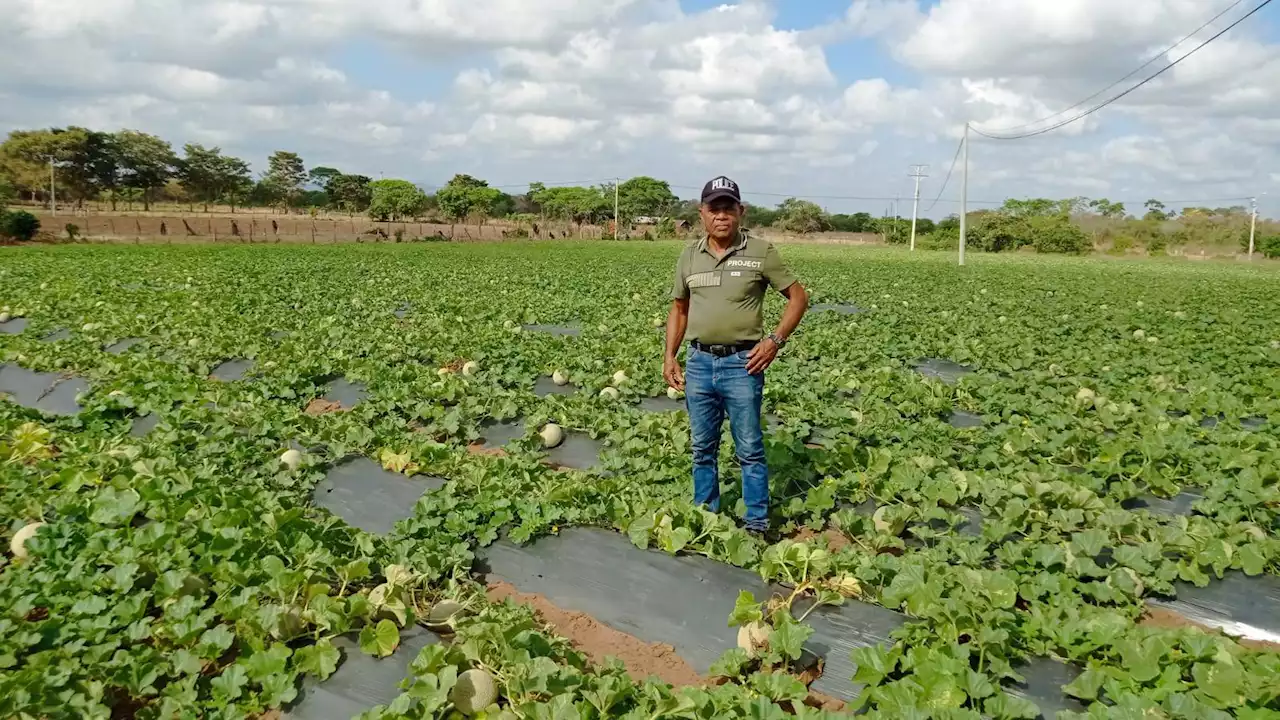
point(677, 322)
point(766, 350)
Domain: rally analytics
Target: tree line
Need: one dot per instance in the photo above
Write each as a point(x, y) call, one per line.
point(131, 167)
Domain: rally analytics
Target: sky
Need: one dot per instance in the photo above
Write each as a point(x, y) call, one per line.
point(830, 100)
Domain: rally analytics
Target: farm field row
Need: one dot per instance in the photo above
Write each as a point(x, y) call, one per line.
point(269, 462)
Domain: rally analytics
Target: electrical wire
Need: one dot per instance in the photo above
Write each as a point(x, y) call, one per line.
point(1157, 56)
point(947, 179)
point(1118, 96)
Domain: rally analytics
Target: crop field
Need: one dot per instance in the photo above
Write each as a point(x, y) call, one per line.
point(314, 482)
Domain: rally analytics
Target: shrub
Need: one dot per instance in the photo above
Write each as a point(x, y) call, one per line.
point(73, 231)
point(997, 232)
point(19, 225)
point(940, 239)
point(1057, 234)
point(1268, 245)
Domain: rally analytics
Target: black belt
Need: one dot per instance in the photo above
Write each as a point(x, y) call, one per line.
point(721, 350)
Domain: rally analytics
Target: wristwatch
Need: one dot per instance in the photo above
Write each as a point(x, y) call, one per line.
point(777, 340)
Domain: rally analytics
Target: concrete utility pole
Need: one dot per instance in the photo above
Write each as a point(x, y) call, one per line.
point(1253, 224)
point(964, 189)
point(917, 172)
point(53, 193)
point(615, 208)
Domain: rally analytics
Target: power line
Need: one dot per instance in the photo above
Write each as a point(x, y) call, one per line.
point(1118, 96)
point(1157, 56)
point(947, 179)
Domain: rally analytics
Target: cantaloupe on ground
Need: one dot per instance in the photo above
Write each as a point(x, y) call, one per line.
point(475, 690)
point(442, 615)
point(609, 393)
point(753, 637)
point(18, 544)
point(470, 367)
point(559, 377)
point(619, 377)
point(5, 317)
point(291, 458)
point(673, 393)
point(552, 435)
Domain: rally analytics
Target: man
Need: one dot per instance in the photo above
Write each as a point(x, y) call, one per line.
point(718, 298)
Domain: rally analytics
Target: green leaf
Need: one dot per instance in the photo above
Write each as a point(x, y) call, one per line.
point(380, 640)
point(320, 660)
point(745, 610)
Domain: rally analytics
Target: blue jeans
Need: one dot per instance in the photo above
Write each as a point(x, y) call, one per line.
point(714, 385)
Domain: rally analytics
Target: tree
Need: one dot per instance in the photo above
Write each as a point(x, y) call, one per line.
point(322, 176)
point(85, 162)
point(464, 196)
point(395, 200)
point(573, 203)
point(755, 217)
point(285, 175)
point(350, 193)
point(146, 162)
point(211, 177)
point(856, 223)
point(1106, 208)
point(644, 196)
point(1155, 210)
point(1037, 207)
point(801, 216)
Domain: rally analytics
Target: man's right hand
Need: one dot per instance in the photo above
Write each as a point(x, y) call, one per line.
point(673, 373)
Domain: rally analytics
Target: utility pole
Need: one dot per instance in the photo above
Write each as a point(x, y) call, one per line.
point(964, 189)
point(53, 193)
point(615, 208)
point(917, 172)
point(1253, 224)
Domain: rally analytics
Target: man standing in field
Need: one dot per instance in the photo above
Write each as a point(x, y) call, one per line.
point(718, 298)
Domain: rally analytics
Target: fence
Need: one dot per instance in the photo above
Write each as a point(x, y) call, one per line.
point(194, 228)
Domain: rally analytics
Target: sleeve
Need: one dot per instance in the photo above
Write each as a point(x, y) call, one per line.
point(775, 271)
point(680, 288)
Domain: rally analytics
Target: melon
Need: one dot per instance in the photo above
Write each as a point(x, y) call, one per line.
point(444, 371)
point(658, 322)
point(291, 458)
point(193, 342)
point(470, 367)
point(442, 615)
point(5, 317)
point(1139, 334)
point(753, 637)
point(552, 435)
point(673, 393)
point(18, 545)
point(635, 297)
point(44, 286)
point(474, 691)
point(609, 393)
point(559, 377)
point(620, 377)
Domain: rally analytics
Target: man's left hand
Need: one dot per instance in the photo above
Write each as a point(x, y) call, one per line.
point(761, 356)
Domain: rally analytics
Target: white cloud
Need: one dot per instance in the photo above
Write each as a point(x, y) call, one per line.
point(596, 88)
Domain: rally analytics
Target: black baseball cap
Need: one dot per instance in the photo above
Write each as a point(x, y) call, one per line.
point(720, 187)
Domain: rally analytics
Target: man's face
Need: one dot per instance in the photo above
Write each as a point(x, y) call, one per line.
point(721, 218)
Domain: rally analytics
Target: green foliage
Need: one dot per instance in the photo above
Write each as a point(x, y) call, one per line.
point(577, 204)
point(211, 177)
point(801, 217)
point(1057, 234)
point(395, 200)
point(861, 223)
point(464, 196)
point(284, 177)
point(145, 162)
point(187, 572)
point(644, 196)
point(350, 193)
point(18, 225)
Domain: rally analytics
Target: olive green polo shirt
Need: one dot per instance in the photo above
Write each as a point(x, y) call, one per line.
point(726, 294)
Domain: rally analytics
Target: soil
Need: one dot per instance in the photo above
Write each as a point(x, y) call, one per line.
point(320, 406)
point(598, 641)
point(480, 449)
point(1167, 619)
point(835, 539)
